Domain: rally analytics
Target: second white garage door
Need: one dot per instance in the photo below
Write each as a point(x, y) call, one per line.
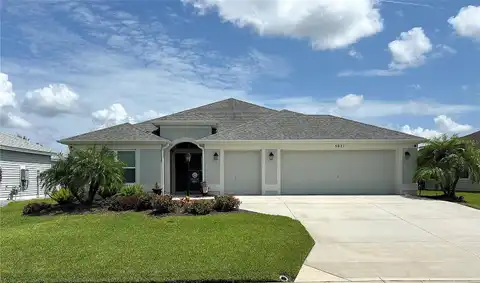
point(243, 173)
point(338, 172)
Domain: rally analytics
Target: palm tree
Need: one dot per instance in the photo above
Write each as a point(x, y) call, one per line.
point(83, 172)
point(445, 159)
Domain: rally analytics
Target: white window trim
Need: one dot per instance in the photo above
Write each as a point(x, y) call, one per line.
point(137, 163)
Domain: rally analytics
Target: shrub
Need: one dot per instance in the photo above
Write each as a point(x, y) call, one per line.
point(226, 203)
point(144, 202)
point(36, 207)
point(163, 204)
point(62, 196)
point(199, 207)
point(131, 190)
point(108, 191)
point(122, 203)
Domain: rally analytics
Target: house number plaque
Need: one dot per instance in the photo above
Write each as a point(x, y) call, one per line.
point(339, 146)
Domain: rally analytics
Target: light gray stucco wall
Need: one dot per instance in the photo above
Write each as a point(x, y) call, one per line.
point(176, 132)
point(150, 168)
point(409, 165)
point(271, 167)
point(212, 167)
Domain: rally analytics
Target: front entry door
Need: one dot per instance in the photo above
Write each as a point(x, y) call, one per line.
point(188, 175)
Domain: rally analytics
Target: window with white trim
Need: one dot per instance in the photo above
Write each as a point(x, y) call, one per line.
point(129, 171)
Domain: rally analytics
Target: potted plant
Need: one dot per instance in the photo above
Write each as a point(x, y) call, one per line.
point(156, 189)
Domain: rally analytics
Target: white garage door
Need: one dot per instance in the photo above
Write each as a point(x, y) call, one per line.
point(243, 173)
point(338, 172)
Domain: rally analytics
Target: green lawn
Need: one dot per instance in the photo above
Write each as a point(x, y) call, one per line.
point(134, 246)
point(472, 198)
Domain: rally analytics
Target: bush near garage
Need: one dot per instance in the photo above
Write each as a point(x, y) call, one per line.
point(198, 207)
point(226, 203)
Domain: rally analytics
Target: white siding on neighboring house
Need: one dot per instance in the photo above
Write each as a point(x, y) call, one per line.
point(467, 186)
point(177, 132)
point(11, 163)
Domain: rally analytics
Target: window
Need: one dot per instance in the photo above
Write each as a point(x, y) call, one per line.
point(214, 130)
point(129, 171)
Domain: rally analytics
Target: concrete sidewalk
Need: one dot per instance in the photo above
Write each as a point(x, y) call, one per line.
point(387, 238)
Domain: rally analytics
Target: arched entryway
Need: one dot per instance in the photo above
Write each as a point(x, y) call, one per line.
point(186, 168)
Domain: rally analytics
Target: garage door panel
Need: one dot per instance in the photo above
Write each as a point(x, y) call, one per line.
point(338, 172)
point(243, 172)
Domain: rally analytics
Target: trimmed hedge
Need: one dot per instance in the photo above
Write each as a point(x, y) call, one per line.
point(199, 207)
point(163, 204)
point(226, 203)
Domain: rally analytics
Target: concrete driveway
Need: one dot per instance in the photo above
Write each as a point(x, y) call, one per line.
point(362, 238)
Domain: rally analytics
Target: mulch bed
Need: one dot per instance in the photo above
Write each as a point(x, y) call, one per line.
point(98, 208)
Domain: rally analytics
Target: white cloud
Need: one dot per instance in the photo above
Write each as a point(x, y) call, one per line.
point(447, 125)
point(328, 24)
point(350, 101)
point(355, 54)
point(112, 116)
point(415, 86)
point(10, 120)
point(147, 115)
point(50, 101)
point(7, 96)
point(444, 125)
point(420, 132)
point(409, 49)
point(467, 22)
point(365, 108)
point(464, 87)
point(370, 73)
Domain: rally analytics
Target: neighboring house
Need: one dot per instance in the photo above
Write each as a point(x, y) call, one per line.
point(245, 149)
point(21, 162)
point(465, 184)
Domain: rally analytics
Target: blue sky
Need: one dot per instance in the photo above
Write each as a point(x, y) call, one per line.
point(69, 67)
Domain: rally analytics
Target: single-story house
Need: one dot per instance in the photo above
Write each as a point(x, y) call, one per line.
point(465, 184)
point(21, 163)
point(246, 149)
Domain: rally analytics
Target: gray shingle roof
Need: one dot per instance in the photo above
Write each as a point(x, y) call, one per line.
point(13, 141)
point(288, 125)
point(473, 136)
point(124, 132)
point(229, 113)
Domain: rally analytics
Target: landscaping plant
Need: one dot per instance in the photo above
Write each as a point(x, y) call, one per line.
point(199, 207)
point(36, 208)
point(163, 204)
point(62, 196)
point(122, 203)
point(144, 202)
point(226, 203)
point(108, 191)
point(445, 159)
point(84, 172)
point(131, 190)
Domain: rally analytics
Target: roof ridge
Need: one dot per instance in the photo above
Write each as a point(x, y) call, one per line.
point(209, 104)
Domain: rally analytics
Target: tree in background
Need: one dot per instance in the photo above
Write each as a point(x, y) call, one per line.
point(84, 172)
point(445, 160)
